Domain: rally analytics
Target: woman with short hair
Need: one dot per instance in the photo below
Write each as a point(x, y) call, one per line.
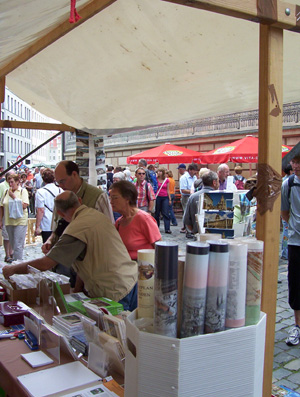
point(137, 228)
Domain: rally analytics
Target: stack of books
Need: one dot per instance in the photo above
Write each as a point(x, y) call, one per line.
point(69, 324)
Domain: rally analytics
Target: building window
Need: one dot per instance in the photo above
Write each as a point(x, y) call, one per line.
point(7, 144)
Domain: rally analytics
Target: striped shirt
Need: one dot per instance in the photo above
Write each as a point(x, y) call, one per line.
point(143, 198)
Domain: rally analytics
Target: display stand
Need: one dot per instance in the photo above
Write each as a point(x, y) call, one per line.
point(228, 363)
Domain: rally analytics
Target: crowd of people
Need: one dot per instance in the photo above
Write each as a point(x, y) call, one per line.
point(93, 235)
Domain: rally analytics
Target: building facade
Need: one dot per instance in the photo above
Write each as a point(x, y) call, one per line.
point(17, 142)
point(200, 135)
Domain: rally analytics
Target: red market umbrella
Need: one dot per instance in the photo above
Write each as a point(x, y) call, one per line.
point(166, 154)
point(243, 150)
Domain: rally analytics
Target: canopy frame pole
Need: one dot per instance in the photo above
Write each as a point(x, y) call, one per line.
point(269, 152)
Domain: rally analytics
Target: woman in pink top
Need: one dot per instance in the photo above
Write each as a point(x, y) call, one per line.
point(163, 199)
point(137, 228)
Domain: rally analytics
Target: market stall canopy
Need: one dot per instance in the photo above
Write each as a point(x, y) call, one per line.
point(166, 154)
point(243, 150)
point(136, 63)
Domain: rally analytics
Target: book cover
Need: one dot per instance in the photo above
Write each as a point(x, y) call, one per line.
point(37, 359)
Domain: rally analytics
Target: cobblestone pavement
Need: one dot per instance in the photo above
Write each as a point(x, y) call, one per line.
point(286, 365)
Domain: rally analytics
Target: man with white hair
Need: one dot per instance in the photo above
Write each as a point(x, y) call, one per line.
point(223, 173)
point(118, 176)
point(127, 174)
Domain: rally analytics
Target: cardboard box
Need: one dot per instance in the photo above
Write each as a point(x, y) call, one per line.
point(228, 363)
point(27, 296)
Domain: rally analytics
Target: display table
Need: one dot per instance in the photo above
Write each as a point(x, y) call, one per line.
point(12, 365)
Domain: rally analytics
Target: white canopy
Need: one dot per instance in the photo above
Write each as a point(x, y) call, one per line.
point(137, 63)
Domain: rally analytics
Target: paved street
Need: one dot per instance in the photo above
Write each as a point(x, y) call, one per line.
point(286, 359)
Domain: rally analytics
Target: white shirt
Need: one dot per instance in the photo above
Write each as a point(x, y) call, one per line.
point(44, 199)
point(186, 181)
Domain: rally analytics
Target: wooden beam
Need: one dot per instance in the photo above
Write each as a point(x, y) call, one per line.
point(2, 91)
point(269, 152)
point(35, 126)
point(87, 11)
point(277, 13)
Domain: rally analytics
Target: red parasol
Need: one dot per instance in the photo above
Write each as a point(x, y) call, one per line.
point(166, 154)
point(243, 150)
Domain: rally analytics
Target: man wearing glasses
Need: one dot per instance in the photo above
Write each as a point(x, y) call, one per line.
point(67, 177)
point(145, 191)
point(290, 212)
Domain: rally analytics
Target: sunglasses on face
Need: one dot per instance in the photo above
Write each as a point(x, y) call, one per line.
point(141, 173)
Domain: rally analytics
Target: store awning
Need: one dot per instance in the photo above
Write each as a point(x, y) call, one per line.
point(136, 63)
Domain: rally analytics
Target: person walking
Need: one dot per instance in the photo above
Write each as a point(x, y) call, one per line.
point(15, 220)
point(44, 204)
point(163, 200)
point(290, 212)
point(288, 170)
point(7, 247)
point(145, 191)
point(172, 194)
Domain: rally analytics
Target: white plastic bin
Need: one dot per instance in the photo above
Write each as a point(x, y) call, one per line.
point(228, 363)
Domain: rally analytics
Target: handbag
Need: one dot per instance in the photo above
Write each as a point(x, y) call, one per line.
point(15, 208)
point(153, 209)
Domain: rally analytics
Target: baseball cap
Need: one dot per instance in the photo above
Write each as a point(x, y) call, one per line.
point(294, 153)
point(181, 166)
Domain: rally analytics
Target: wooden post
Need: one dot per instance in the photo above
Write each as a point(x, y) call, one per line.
point(269, 152)
point(2, 99)
point(2, 91)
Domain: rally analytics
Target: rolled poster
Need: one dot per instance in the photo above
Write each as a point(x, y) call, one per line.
point(166, 288)
point(194, 289)
point(145, 260)
point(217, 280)
point(254, 280)
point(237, 281)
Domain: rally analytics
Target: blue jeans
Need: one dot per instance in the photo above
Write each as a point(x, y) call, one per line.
point(129, 301)
point(162, 206)
point(171, 212)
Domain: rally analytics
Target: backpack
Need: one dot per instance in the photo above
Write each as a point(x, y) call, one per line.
point(151, 178)
point(291, 183)
point(239, 183)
